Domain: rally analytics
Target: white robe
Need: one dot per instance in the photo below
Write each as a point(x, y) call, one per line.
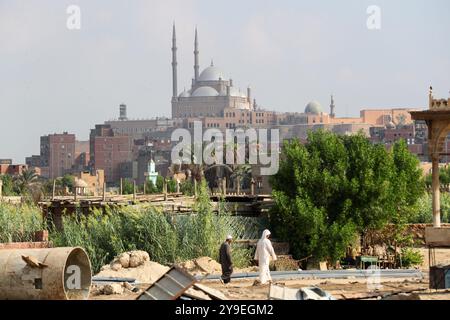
point(264, 251)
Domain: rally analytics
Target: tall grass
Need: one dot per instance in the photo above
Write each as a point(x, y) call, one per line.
point(18, 223)
point(166, 238)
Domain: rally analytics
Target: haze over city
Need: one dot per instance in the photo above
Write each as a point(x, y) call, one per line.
point(53, 79)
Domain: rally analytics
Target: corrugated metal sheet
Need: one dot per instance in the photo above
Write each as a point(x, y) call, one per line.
point(170, 286)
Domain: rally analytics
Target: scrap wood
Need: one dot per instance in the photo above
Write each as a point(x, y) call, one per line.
point(213, 293)
point(366, 295)
point(196, 294)
point(33, 262)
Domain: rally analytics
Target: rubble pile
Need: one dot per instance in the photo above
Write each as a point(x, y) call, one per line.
point(136, 265)
point(202, 266)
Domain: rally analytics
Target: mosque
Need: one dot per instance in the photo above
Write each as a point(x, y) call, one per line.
point(211, 91)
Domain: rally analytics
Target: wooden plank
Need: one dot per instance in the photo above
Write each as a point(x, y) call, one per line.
point(216, 294)
point(437, 237)
point(196, 294)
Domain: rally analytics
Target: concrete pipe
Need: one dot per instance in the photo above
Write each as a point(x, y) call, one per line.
point(45, 274)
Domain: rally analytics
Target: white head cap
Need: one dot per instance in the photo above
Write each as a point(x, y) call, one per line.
point(229, 237)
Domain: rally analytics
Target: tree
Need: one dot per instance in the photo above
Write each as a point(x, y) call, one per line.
point(335, 188)
point(25, 181)
point(68, 181)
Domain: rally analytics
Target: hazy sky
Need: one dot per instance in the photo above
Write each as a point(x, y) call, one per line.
point(53, 79)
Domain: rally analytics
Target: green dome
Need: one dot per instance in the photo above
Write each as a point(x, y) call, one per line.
point(313, 107)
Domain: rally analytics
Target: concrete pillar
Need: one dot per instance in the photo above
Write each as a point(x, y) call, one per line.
point(253, 187)
point(195, 187)
point(165, 189)
point(224, 186)
point(436, 191)
point(144, 187)
point(104, 191)
point(134, 190)
point(53, 190)
point(178, 186)
point(121, 186)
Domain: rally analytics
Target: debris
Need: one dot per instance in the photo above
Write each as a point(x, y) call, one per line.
point(124, 259)
point(33, 262)
point(170, 286)
point(403, 296)
point(146, 271)
point(137, 258)
point(196, 294)
point(213, 293)
point(113, 288)
point(306, 293)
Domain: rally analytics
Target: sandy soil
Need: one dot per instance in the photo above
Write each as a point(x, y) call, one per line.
point(339, 288)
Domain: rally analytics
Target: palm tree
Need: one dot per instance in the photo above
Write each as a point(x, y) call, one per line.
point(26, 180)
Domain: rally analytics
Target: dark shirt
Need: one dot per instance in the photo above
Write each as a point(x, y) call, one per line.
point(225, 254)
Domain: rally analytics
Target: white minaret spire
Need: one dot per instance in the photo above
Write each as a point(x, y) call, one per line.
point(174, 63)
point(196, 58)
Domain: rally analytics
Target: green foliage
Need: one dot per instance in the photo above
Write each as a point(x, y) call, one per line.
point(410, 257)
point(25, 181)
point(68, 181)
point(171, 186)
point(424, 209)
point(18, 223)
point(166, 238)
point(444, 177)
point(127, 186)
point(150, 188)
point(8, 185)
point(187, 188)
point(105, 235)
point(336, 187)
point(160, 183)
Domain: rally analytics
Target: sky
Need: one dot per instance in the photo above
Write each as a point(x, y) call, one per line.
point(54, 79)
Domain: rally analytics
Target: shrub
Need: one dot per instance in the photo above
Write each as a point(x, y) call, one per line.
point(410, 257)
point(18, 223)
point(166, 238)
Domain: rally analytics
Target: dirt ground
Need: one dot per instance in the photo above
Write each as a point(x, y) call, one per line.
point(339, 288)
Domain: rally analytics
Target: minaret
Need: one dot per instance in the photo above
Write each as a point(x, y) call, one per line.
point(332, 115)
point(196, 52)
point(174, 64)
point(430, 98)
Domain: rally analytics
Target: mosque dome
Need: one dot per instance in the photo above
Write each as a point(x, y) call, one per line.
point(184, 94)
point(313, 107)
point(211, 74)
point(205, 92)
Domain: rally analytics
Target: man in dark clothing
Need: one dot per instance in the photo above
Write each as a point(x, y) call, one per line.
point(225, 260)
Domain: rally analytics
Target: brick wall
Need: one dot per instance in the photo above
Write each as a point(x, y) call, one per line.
point(41, 242)
point(26, 245)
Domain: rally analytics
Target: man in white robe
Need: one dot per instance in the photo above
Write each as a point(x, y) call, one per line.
point(264, 251)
